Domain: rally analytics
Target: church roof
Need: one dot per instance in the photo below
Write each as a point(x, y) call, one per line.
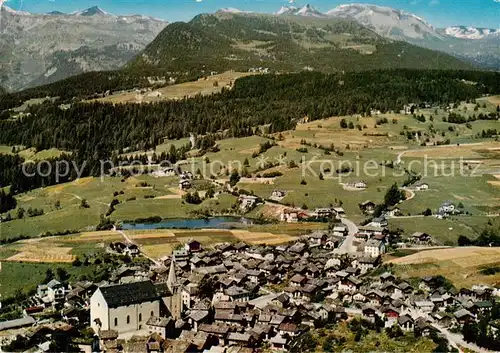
point(129, 293)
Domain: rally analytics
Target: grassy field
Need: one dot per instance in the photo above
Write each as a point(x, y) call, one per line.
point(26, 276)
point(462, 266)
point(204, 86)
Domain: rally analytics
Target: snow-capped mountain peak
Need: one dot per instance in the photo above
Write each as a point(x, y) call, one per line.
point(386, 21)
point(307, 10)
point(287, 10)
point(233, 10)
point(464, 32)
point(92, 11)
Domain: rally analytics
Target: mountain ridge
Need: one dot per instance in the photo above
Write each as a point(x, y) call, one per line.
point(43, 48)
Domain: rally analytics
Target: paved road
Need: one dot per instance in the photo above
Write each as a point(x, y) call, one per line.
point(347, 245)
point(458, 340)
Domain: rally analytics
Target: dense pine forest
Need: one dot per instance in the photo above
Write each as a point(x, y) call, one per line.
point(256, 104)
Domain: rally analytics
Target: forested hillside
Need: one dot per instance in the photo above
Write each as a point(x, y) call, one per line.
point(98, 129)
point(240, 41)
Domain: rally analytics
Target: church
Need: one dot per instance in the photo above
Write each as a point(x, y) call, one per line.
point(127, 307)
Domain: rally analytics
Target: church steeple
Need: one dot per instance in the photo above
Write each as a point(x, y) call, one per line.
point(172, 279)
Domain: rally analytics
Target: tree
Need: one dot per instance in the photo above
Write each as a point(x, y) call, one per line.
point(427, 212)
point(464, 241)
point(62, 274)
point(20, 213)
point(57, 204)
point(394, 195)
point(234, 178)
point(246, 163)
point(343, 124)
point(84, 204)
point(49, 275)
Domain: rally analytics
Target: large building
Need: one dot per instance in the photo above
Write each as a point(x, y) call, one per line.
point(128, 307)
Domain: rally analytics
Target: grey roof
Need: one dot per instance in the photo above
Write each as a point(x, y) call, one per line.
point(129, 293)
point(158, 321)
point(25, 321)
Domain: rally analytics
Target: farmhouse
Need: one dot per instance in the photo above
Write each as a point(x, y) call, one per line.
point(247, 202)
point(367, 206)
point(289, 215)
point(447, 207)
point(184, 184)
point(421, 186)
point(420, 237)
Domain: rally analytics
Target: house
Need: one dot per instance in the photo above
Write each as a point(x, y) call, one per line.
point(463, 316)
point(240, 339)
point(339, 211)
point(358, 185)
point(160, 325)
point(247, 202)
point(447, 207)
point(340, 230)
point(193, 246)
point(370, 231)
point(392, 211)
point(278, 195)
point(184, 184)
point(421, 186)
point(368, 263)
point(420, 237)
point(374, 248)
point(17, 323)
point(289, 216)
point(379, 222)
point(367, 206)
point(406, 323)
point(322, 213)
point(51, 292)
point(317, 238)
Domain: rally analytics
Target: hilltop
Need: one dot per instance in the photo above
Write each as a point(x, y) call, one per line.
point(242, 41)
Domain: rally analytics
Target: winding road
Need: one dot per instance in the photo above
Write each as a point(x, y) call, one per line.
point(347, 246)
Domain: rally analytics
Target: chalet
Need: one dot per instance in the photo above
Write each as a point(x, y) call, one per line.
point(278, 195)
point(421, 186)
point(289, 215)
point(349, 284)
point(290, 329)
point(339, 211)
point(317, 238)
point(463, 316)
point(367, 206)
point(340, 230)
point(392, 211)
point(374, 248)
point(298, 280)
point(379, 222)
point(322, 213)
point(420, 237)
point(279, 342)
point(237, 294)
point(241, 339)
point(247, 202)
point(387, 277)
point(358, 185)
point(406, 323)
point(369, 313)
point(447, 207)
point(368, 263)
point(184, 184)
point(193, 246)
point(370, 231)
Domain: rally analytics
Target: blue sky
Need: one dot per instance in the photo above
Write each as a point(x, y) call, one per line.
point(481, 13)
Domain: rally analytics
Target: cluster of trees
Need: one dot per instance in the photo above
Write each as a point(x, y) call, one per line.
point(7, 201)
point(481, 333)
point(490, 236)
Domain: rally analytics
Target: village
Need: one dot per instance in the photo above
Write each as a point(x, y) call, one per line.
point(236, 297)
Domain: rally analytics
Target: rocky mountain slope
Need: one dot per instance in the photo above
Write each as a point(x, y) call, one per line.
point(43, 48)
point(242, 41)
point(477, 45)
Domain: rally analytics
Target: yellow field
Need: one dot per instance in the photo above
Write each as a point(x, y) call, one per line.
point(460, 265)
point(262, 237)
point(465, 151)
point(204, 86)
point(36, 252)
